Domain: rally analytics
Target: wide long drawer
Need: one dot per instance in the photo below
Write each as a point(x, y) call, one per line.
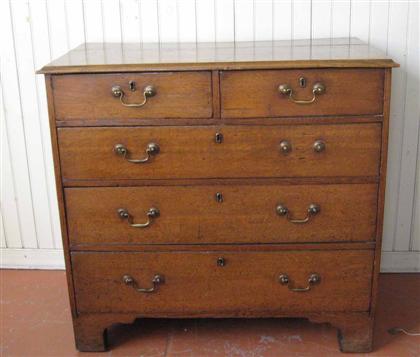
point(230, 283)
point(309, 92)
point(219, 152)
point(221, 214)
point(133, 95)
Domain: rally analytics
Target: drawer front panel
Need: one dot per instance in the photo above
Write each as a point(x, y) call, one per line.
point(244, 151)
point(177, 95)
point(202, 283)
point(239, 214)
point(247, 94)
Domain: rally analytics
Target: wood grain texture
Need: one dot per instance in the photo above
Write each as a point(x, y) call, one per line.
point(178, 95)
point(191, 214)
point(354, 330)
point(130, 57)
point(248, 94)
point(381, 189)
point(54, 27)
point(222, 181)
point(237, 247)
point(331, 119)
point(246, 151)
point(247, 167)
point(187, 289)
point(60, 195)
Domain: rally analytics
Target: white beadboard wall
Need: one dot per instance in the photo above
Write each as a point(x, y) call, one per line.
point(36, 31)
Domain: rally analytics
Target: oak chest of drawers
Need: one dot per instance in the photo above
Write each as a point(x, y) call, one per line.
point(229, 180)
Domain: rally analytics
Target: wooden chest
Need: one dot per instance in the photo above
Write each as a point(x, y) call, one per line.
point(229, 180)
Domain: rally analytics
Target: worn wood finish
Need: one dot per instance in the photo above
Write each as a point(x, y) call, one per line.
point(343, 119)
point(381, 188)
point(178, 95)
point(230, 89)
point(237, 247)
point(246, 151)
point(191, 214)
point(249, 94)
point(60, 195)
point(222, 181)
point(354, 330)
point(130, 57)
point(187, 288)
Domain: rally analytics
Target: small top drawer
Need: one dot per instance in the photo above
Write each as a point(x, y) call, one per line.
point(279, 93)
point(133, 95)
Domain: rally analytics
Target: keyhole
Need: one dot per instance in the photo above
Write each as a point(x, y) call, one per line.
point(221, 262)
point(219, 197)
point(132, 85)
point(218, 138)
point(302, 82)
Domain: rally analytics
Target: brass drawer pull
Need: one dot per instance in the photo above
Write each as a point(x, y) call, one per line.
point(319, 146)
point(151, 150)
point(148, 91)
point(313, 209)
point(151, 213)
point(157, 279)
point(317, 89)
point(314, 278)
point(285, 146)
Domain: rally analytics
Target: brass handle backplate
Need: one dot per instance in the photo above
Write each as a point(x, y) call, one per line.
point(151, 214)
point(313, 209)
point(287, 90)
point(151, 150)
point(148, 91)
point(157, 279)
point(313, 279)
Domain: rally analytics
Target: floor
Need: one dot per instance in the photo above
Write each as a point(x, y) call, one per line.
point(35, 321)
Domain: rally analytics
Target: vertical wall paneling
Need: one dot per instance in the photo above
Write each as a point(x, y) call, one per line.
point(38, 22)
point(321, 19)
point(35, 31)
point(74, 20)
point(149, 21)
point(360, 19)
point(9, 211)
point(415, 233)
point(92, 17)
point(31, 122)
point(396, 45)
point(168, 20)
point(59, 36)
point(111, 19)
point(186, 20)
point(3, 139)
point(206, 29)
point(225, 20)
point(409, 131)
point(378, 23)
point(131, 30)
point(282, 19)
point(30, 117)
point(301, 19)
point(15, 131)
point(341, 18)
point(263, 20)
point(2, 232)
point(244, 20)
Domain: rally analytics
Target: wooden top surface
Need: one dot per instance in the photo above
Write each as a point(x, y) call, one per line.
point(132, 57)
